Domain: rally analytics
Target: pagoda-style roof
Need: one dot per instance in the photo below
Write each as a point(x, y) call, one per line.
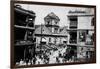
point(52, 16)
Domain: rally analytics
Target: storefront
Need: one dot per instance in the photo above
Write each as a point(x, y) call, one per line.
point(26, 50)
point(85, 53)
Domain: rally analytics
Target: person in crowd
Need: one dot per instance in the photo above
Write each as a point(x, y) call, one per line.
point(57, 60)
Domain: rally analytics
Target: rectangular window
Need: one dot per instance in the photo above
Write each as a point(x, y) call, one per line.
point(73, 21)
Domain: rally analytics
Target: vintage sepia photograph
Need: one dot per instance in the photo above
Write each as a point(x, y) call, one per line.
point(52, 34)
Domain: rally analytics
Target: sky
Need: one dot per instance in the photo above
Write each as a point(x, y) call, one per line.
point(43, 10)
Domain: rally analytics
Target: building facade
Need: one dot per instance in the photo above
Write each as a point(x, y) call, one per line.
point(51, 32)
point(24, 47)
point(81, 33)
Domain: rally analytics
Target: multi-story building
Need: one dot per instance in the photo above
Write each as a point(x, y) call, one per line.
point(81, 33)
point(51, 32)
point(24, 47)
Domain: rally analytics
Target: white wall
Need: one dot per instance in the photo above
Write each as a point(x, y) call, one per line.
point(85, 22)
point(5, 35)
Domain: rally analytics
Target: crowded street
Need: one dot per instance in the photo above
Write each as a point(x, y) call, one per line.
point(52, 56)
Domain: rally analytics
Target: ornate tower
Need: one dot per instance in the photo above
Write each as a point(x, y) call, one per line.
point(52, 22)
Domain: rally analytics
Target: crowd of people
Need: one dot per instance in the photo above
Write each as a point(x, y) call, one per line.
point(62, 54)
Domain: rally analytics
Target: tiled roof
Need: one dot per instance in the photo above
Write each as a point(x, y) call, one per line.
point(63, 30)
point(45, 30)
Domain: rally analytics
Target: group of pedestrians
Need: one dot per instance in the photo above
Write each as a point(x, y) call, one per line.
point(62, 54)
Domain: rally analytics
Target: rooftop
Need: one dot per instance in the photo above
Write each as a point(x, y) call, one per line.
point(52, 16)
point(18, 8)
